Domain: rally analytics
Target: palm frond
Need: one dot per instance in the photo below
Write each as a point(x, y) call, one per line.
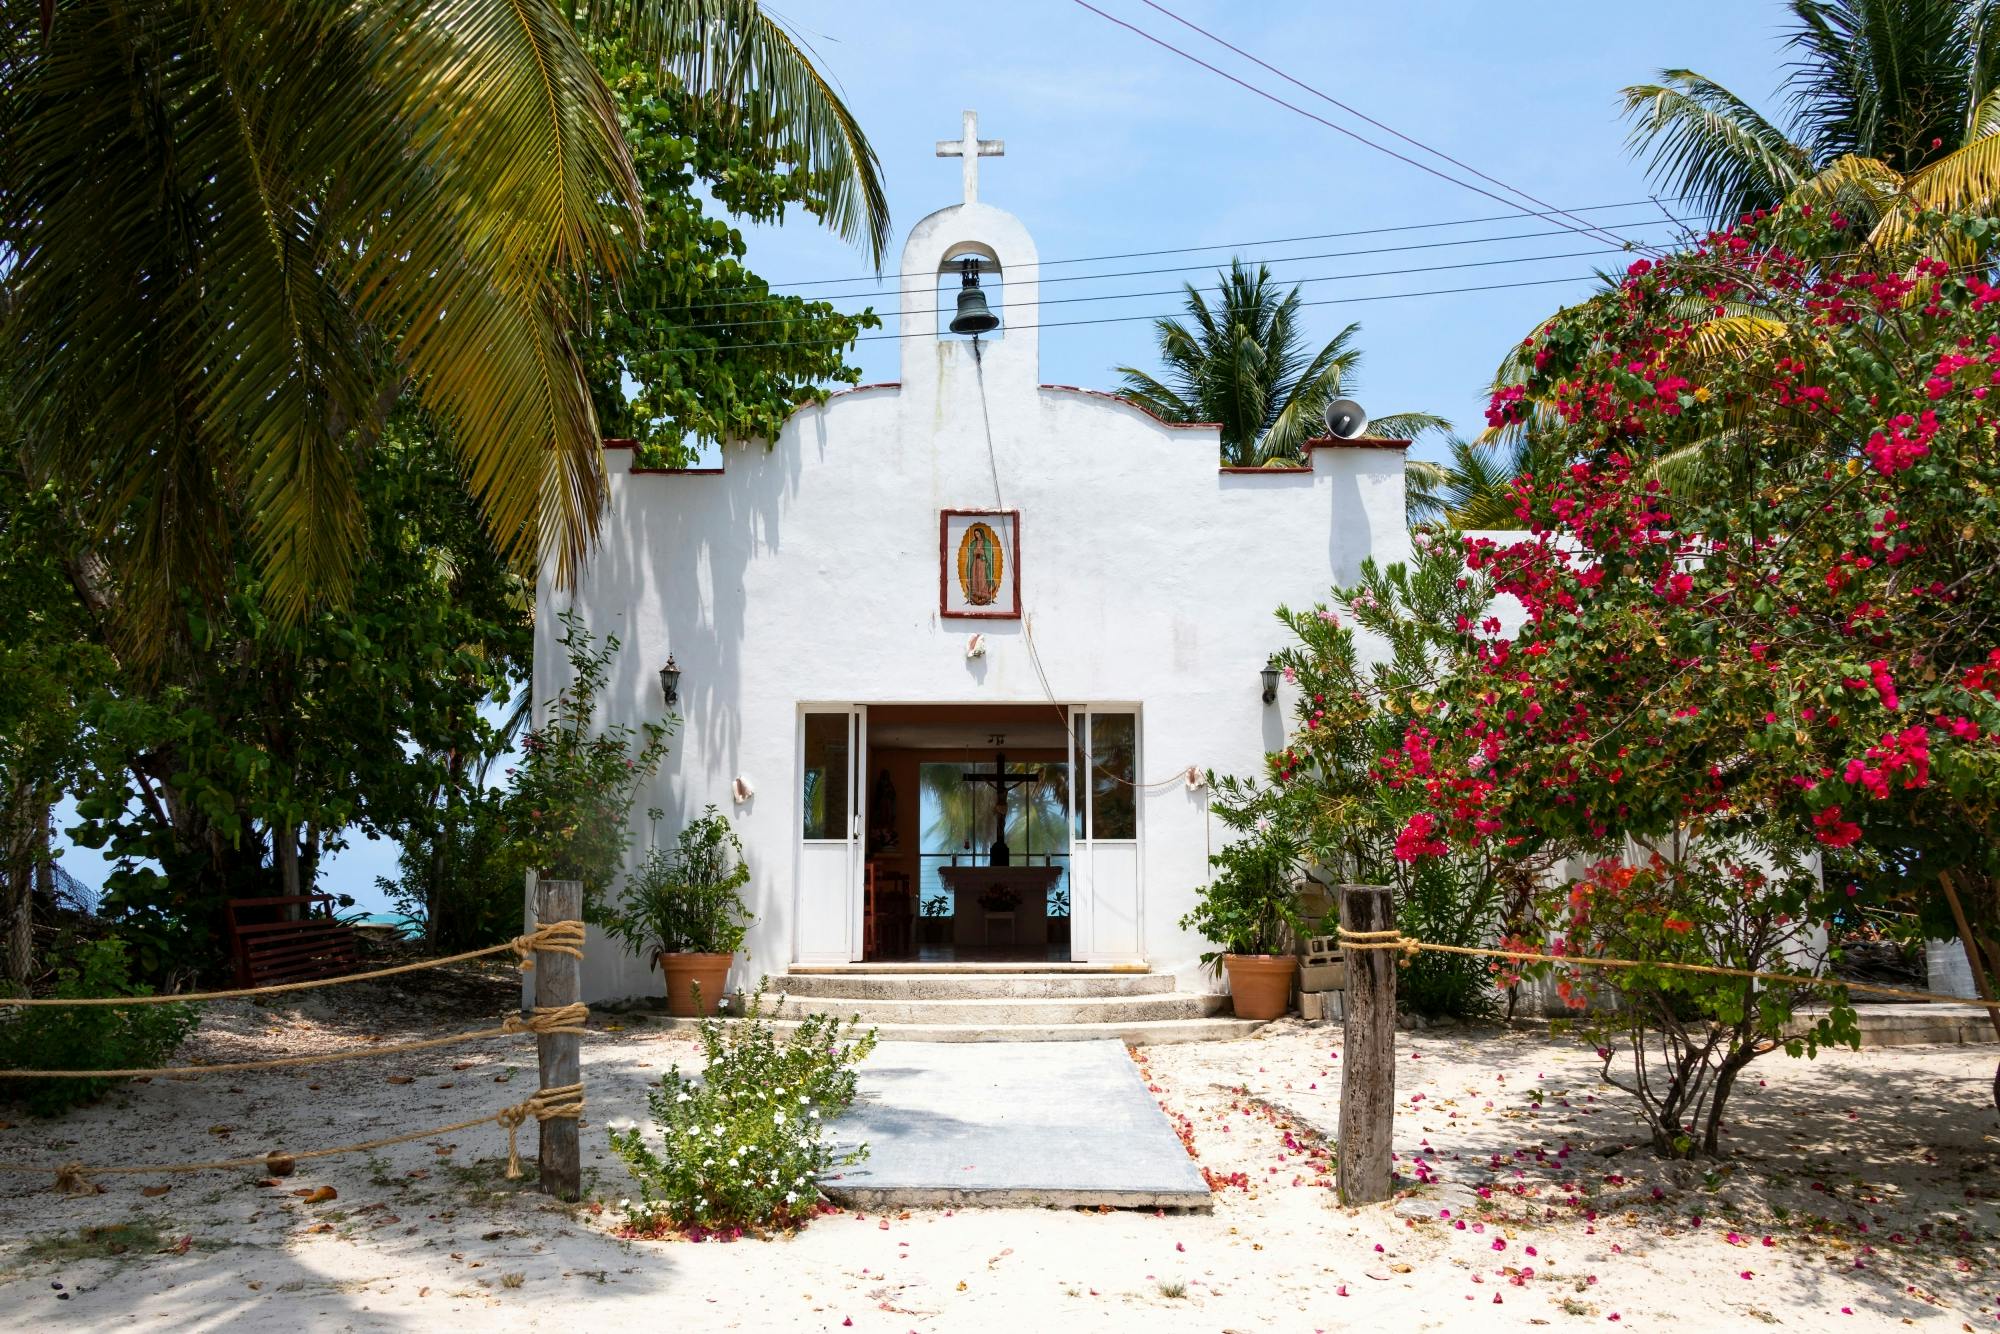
point(1962, 182)
point(752, 76)
point(1412, 426)
point(1859, 187)
point(1730, 336)
point(1705, 143)
point(242, 231)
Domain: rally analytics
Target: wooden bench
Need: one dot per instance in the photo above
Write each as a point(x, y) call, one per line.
point(290, 938)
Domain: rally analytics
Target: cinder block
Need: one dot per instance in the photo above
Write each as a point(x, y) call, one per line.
point(1320, 949)
point(1323, 976)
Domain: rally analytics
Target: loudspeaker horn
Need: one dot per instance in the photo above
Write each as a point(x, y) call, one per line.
point(1344, 419)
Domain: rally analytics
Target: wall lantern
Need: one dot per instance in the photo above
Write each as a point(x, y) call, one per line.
point(670, 682)
point(1270, 675)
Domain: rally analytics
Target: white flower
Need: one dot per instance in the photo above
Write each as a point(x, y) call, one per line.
point(804, 1099)
point(777, 1118)
point(685, 1097)
point(815, 1113)
point(791, 1197)
point(717, 1131)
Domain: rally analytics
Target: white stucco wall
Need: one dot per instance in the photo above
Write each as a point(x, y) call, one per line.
point(807, 573)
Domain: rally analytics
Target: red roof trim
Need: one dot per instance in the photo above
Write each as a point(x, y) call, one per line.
point(1136, 407)
point(1363, 442)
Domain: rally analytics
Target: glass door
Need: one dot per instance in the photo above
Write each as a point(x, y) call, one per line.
point(1106, 908)
point(832, 743)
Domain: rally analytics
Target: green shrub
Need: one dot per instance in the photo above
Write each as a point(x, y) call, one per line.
point(88, 1037)
point(1449, 901)
point(743, 1147)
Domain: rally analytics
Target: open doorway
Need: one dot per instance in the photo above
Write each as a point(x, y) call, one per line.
point(968, 819)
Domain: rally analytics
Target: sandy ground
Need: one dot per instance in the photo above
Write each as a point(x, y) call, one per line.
point(1862, 1194)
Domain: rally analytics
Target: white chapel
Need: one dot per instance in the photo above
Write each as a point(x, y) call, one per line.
point(954, 650)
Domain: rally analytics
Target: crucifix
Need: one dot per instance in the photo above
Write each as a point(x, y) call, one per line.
point(971, 148)
point(1003, 782)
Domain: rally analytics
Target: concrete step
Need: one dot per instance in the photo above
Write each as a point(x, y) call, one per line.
point(969, 966)
point(990, 1011)
point(1141, 1033)
point(970, 986)
point(1911, 1025)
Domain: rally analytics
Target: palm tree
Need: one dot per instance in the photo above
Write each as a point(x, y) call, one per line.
point(1908, 84)
point(1037, 814)
point(232, 237)
point(1242, 362)
point(1473, 489)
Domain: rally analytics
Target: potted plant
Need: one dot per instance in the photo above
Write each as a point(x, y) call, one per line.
point(683, 909)
point(1251, 909)
point(934, 926)
point(1058, 917)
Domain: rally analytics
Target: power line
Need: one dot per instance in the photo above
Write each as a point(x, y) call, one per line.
point(1362, 115)
point(1269, 96)
point(880, 279)
point(1128, 319)
point(1185, 268)
point(1297, 282)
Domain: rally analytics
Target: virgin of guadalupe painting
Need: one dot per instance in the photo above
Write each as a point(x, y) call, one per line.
point(979, 558)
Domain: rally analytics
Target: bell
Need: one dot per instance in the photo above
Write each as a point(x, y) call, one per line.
point(973, 315)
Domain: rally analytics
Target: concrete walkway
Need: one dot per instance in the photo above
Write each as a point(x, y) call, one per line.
point(1014, 1123)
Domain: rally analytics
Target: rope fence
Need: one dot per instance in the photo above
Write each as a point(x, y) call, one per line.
point(559, 1103)
point(1410, 946)
point(568, 1019)
point(553, 938)
point(544, 1105)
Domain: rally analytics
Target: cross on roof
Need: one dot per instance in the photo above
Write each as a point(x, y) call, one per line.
point(971, 148)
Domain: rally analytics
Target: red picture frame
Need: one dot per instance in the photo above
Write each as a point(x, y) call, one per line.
point(1010, 577)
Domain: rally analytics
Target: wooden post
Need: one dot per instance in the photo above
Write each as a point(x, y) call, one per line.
point(1368, 1052)
point(558, 981)
point(1980, 983)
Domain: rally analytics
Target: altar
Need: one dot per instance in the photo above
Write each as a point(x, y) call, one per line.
point(1015, 910)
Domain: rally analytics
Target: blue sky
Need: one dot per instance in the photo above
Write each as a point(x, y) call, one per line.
point(1115, 145)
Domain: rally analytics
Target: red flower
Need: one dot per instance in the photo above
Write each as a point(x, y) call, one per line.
point(1833, 831)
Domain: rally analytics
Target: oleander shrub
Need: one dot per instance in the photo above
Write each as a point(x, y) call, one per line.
point(87, 1037)
point(744, 1146)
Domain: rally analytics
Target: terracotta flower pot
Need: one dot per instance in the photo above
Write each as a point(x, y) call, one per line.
point(1260, 984)
point(685, 971)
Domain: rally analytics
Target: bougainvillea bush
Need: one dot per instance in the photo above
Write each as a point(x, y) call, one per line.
point(1757, 595)
point(744, 1147)
point(1676, 1040)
